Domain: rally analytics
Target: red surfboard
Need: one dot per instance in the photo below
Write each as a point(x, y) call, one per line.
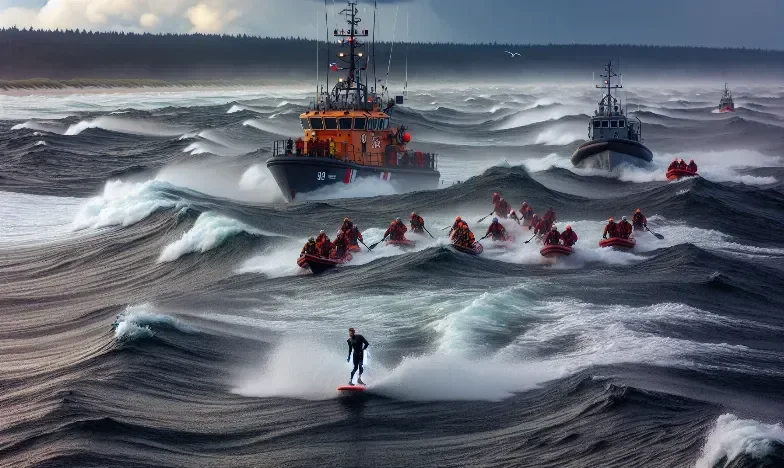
point(347, 390)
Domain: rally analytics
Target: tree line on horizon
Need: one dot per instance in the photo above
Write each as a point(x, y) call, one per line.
point(70, 54)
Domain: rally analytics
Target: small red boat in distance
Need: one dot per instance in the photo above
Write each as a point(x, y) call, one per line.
point(677, 174)
point(617, 242)
point(550, 251)
point(405, 243)
point(726, 104)
point(318, 264)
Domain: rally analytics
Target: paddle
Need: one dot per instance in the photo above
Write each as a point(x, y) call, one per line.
point(428, 232)
point(363, 244)
point(485, 217)
point(374, 245)
point(658, 236)
point(532, 238)
point(483, 238)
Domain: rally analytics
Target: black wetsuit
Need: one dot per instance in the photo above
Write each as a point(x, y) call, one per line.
point(357, 345)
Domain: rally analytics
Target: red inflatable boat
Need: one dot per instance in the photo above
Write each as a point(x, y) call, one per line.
point(675, 174)
point(402, 243)
point(555, 251)
point(476, 250)
point(319, 264)
point(617, 242)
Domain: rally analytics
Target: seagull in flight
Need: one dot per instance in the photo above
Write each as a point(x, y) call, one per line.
point(513, 54)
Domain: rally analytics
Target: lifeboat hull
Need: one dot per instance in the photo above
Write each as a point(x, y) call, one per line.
point(318, 264)
point(297, 175)
point(609, 153)
point(555, 251)
point(675, 174)
point(406, 244)
point(475, 250)
point(726, 109)
point(618, 243)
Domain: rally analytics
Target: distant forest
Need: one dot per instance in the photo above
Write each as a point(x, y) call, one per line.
point(83, 55)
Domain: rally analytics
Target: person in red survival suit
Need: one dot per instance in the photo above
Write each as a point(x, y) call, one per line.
point(549, 216)
point(456, 225)
point(610, 230)
point(526, 212)
point(326, 248)
point(353, 235)
point(339, 246)
point(542, 228)
point(569, 237)
point(534, 221)
point(692, 166)
point(496, 231)
point(502, 208)
point(300, 146)
point(309, 248)
point(396, 231)
point(553, 237)
point(347, 224)
point(639, 222)
point(624, 228)
point(682, 165)
point(322, 237)
point(496, 197)
point(673, 165)
point(417, 224)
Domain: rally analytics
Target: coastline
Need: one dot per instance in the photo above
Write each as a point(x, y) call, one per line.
point(47, 87)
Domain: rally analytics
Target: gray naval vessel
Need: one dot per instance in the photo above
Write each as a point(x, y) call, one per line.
point(614, 138)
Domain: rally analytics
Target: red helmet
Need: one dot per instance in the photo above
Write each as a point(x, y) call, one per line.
point(568, 228)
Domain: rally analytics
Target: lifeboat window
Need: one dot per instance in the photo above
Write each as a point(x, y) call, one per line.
point(330, 123)
point(305, 124)
point(597, 123)
point(372, 124)
point(316, 123)
point(384, 124)
point(345, 123)
point(605, 124)
point(359, 123)
point(621, 123)
point(613, 124)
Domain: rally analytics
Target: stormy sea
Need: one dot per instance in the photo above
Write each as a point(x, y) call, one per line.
point(152, 313)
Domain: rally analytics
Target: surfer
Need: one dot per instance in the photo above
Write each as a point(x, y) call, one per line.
point(568, 237)
point(639, 221)
point(417, 224)
point(357, 344)
point(624, 228)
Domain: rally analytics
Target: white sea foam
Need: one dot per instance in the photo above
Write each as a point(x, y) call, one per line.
point(732, 437)
point(119, 125)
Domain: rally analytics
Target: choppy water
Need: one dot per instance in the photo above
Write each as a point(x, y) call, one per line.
point(157, 207)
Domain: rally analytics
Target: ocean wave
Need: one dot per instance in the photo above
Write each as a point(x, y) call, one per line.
point(139, 322)
point(732, 438)
point(208, 232)
point(133, 127)
point(126, 203)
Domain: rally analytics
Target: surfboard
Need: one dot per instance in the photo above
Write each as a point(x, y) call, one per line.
point(351, 389)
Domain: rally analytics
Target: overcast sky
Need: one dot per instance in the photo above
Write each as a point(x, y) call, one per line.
point(735, 23)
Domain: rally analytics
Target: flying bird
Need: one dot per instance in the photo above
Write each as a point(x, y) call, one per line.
point(513, 54)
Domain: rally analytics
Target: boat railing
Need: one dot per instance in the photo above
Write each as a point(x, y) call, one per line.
point(348, 152)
